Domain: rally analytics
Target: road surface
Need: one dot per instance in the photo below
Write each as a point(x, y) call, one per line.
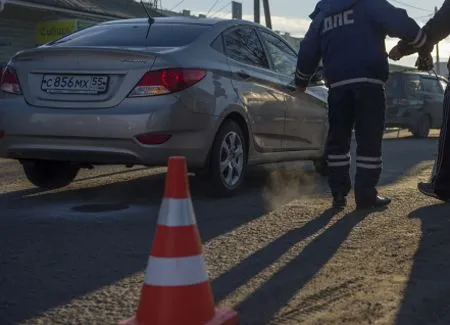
point(275, 253)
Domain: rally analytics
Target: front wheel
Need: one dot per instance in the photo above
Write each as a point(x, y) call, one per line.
point(50, 175)
point(228, 160)
point(422, 128)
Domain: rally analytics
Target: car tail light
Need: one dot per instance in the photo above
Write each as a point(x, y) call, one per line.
point(9, 82)
point(167, 81)
point(152, 139)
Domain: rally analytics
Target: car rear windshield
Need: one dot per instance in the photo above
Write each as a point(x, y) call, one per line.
point(134, 35)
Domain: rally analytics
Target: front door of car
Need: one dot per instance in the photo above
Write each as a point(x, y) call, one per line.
point(306, 116)
point(256, 86)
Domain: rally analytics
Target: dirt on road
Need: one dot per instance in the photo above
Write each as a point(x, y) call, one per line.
point(276, 253)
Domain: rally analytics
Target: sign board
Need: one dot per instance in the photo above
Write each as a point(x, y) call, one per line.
point(47, 31)
point(236, 10)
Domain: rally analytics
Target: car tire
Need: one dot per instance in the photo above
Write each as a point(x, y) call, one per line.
point(422, 127)
point(321, 166)
point(50, 175)
point(227, 178)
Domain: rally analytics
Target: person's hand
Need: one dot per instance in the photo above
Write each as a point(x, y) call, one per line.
point(425, 62)
point(395, 54)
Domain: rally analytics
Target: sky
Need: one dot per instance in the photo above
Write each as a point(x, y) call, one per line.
point(292, 16)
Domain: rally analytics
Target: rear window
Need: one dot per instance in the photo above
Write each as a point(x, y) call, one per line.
point(134, 35)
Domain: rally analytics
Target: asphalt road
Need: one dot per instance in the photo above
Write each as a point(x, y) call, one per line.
point(275, 253)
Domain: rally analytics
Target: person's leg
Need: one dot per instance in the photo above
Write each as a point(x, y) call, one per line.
point(369, 127)
point(441, 180)
point(341, 120)
point(439, 187)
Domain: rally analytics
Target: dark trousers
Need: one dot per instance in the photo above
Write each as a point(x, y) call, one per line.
point(360, 106)
point(441, 178)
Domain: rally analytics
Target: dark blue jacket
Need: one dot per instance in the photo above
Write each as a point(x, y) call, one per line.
point(349, 36)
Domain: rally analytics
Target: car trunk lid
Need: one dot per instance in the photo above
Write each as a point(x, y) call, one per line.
point(82, 77)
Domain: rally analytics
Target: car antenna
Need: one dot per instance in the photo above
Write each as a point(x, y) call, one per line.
point(150, 19)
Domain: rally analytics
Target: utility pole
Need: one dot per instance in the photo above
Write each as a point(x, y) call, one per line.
point(267, 13)
point(438, 66)
point(256, 11)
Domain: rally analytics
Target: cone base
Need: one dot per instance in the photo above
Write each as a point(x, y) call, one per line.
point(222, 317)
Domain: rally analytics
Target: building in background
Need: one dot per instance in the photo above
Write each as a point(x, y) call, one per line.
point(293, 41)
point(26, 24)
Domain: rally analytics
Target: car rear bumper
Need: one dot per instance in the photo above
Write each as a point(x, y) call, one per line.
point(100, 151)
point(105, 136)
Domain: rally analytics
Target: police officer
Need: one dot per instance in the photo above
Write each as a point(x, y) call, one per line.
point(437, 28)
point(349, 36)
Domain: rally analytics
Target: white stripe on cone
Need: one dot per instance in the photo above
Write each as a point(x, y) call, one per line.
point(176, 213)
point(178, 271)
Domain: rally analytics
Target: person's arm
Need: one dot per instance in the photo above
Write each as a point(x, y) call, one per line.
point(309, 55)
point(436, 29)
point(395, 22)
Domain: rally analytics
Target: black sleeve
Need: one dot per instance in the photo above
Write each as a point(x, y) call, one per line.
point(438, 27)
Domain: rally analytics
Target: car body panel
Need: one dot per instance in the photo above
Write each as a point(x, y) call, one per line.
point(102, 129)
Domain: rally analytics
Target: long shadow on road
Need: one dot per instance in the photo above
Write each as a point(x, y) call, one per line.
point(427, 295)
point(263, 304)
point(255, 263)
point(46, 262)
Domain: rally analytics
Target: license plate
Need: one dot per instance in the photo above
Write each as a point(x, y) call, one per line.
point(74, 84)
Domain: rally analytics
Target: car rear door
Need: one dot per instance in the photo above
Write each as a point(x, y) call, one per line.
point(257, 87)
point(433, 95)
point(306, 116)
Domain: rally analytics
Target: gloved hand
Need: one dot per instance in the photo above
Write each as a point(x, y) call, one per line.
point(424, 62)
point(400, 50)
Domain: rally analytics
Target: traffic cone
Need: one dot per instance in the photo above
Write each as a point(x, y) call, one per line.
point(176, 288)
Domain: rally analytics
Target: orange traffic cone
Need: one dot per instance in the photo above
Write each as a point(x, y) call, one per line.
point(176, 288)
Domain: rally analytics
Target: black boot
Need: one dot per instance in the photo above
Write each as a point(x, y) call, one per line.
point(429, 190)
point(339, 201)
point(379, 202)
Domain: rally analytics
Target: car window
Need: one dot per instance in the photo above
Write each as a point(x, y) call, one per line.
point(413, 85)
point(217, 44)
point(134, 35)
point(283, 58)
point(243, 45)
point(431, 85)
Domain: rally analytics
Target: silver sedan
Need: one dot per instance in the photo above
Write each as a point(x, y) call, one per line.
point(134, 93)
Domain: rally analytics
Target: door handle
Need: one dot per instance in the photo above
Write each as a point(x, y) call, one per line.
point(243, 75)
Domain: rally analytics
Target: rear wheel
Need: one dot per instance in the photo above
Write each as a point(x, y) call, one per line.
point(422, 127)
point(228, 160)
point(50, 174)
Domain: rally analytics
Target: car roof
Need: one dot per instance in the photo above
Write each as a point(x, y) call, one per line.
point(186, 20)
point(420, 73)
point(167, 20)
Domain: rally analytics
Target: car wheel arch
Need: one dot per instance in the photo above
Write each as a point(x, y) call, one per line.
point(237, 116)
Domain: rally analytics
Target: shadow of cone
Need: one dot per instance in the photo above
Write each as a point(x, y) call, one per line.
point(176, 289)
